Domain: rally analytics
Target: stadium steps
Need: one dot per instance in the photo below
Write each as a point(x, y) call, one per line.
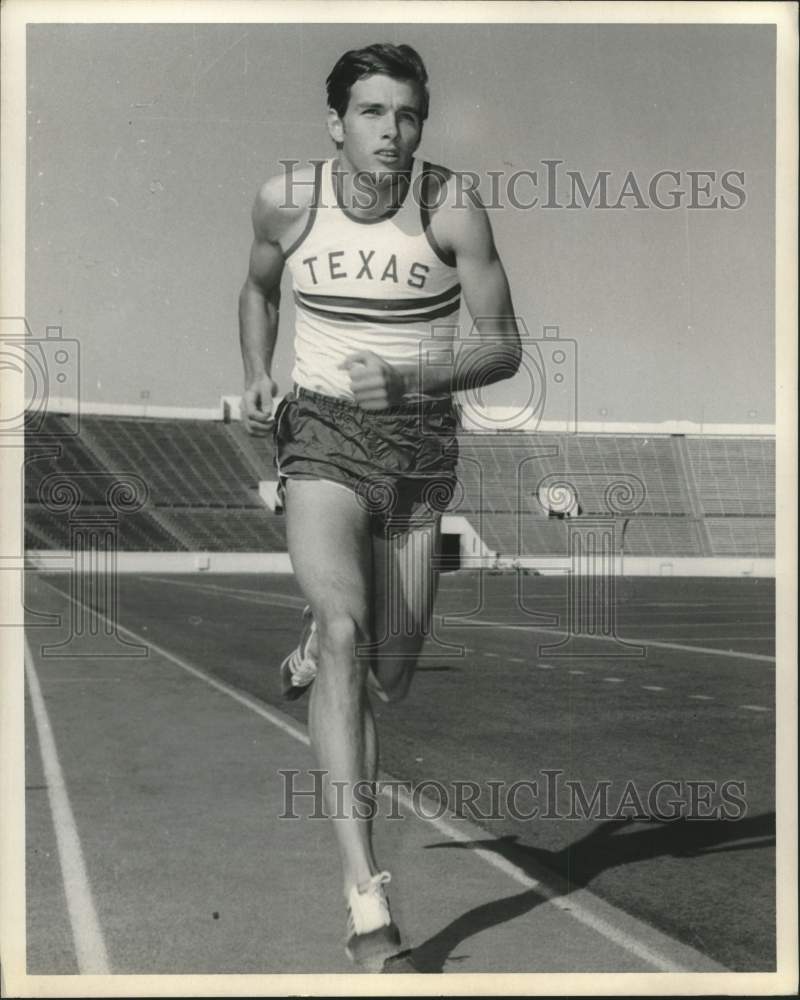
point(256, 452)
point(505, 474)
point(203, 480)
point(136, 532)
point(528, 535)
point(229, 530)
point(187, 463)
point(181, 541)
point(54, 450)
point(733, 475)
point(690, 491)
point(663, 536)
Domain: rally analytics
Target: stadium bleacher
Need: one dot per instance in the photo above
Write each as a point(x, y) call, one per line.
point(510, 534)
point(689, 496)
point(501, 473)
point(733, 476)
point(243, 530)
point(201, 479)
point(673, 536)
point(185, 462)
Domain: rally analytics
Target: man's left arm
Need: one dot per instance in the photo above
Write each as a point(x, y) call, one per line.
point(493, 350)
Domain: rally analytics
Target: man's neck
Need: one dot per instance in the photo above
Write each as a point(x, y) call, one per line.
point(367, 195)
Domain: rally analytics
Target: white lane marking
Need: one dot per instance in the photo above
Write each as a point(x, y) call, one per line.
point(284, 600)
point(266, 596)
point(634, 605)
point(262, 597)
point(569, 904)
point(545, 666)
point(768, 637)
point(614, 680)
point(494, 655)
point(641, 640)
point(277, 719)
point(754, 708)
point(87, 935)
point(704, 622)
point(516, 659)
point(84, 680)
point(701, 697)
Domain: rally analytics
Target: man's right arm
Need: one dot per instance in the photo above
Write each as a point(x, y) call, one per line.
point(259, 304)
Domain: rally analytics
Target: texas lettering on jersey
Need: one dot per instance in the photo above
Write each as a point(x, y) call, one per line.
point(364, 265)
point(365, 285)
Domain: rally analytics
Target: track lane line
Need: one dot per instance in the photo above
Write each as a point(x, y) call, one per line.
point(260, 597)
point(638, 639)
point(235, 593)
point(567, 902)
point(87, 935)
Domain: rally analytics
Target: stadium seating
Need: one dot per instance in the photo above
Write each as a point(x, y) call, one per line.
point(138, 532)
point(186, 463)
point(201, 481)
point(734, 475)
point(243, 530)
point(673, 536)
point(528, 535)
point(502, 472)
point(692, 496)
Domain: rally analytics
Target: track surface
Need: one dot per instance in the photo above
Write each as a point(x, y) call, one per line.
point(490, 705)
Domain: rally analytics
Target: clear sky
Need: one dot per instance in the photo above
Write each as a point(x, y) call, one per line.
point(148, 142)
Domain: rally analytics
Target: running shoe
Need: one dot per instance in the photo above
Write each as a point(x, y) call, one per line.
point(299, 668)
point(372, 936)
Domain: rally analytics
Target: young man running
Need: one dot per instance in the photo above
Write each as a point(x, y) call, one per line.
point(380, 247)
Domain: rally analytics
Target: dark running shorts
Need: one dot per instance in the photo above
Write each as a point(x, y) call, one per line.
point(399, 462)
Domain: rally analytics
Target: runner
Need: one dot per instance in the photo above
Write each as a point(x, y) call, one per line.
point(380, 246)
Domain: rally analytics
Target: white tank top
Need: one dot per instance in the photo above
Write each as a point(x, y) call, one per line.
point(367, 284)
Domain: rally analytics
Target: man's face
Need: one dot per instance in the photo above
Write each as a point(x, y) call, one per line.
point(382, 126)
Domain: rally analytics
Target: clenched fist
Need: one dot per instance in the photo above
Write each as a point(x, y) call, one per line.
point(257, 406)
point(376, 385)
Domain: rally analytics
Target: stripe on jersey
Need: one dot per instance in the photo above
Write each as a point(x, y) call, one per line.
point(376, 315)
point(385, 305)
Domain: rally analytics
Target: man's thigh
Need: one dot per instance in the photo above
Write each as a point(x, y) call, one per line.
point(405, 580)
point(327, 532)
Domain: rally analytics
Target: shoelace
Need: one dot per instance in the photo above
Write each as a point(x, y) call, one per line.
point(303, 668)
point(369, 908)
point(303, 671)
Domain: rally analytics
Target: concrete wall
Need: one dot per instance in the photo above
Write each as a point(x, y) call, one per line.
point(278, 562)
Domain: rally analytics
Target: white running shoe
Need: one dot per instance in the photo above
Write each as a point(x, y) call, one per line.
point(299, 668)
point(372, 935)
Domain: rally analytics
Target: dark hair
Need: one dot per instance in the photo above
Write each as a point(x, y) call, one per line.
point(401, 62)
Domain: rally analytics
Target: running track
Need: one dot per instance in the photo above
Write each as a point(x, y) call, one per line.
point(141, 747)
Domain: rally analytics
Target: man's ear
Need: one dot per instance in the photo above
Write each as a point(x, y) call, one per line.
point(335, 127)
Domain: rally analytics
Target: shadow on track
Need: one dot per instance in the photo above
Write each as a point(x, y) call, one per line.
point(578, 864)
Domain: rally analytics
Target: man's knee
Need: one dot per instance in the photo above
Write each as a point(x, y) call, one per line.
point(340, 632)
